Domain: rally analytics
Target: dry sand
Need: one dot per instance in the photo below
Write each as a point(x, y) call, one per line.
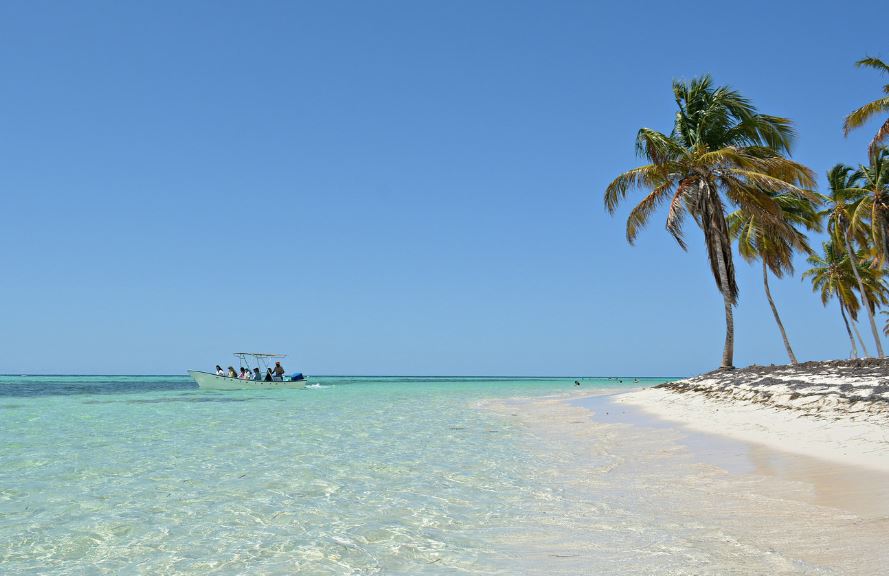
point(837, 411)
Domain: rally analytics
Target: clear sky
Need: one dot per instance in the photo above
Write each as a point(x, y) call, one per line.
point(388, 187)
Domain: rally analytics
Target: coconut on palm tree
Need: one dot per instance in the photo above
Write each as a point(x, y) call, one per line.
point(774, 244)
point(720, 152)
point(879, 106)
point(847, 225)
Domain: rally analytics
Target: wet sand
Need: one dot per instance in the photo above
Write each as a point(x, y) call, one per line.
point(648, 496)
point(860, 490)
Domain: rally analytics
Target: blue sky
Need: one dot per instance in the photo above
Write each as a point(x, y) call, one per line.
point(387, 187)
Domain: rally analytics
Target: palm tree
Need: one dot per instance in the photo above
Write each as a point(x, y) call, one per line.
point(875, 293)
point(872, 211)
point(832, 275)
point(844, 223)
point(721, 150)
point(773, 245)
point(860, 116)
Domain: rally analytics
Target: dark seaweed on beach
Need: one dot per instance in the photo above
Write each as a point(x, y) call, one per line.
point(865, 391)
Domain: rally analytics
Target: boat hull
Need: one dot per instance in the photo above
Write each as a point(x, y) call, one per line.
point(213, 382)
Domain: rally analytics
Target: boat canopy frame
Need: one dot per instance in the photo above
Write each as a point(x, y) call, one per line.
point(260, 360)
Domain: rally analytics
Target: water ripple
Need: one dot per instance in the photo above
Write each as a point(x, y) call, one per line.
point(374, 477)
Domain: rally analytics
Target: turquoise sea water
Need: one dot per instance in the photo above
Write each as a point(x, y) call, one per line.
point(150, 475)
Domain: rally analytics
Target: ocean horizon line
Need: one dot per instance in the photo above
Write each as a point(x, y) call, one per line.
point(480, 376)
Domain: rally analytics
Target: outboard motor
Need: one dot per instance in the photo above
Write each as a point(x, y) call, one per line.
point(297, 376)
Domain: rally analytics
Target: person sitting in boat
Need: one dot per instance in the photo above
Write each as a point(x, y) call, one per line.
point(232, 373)
point(256, 374)
point(279, 372)
point(268, 375)
point(219, 370)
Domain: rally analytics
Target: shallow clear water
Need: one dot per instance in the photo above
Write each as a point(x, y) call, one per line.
point(110, 474)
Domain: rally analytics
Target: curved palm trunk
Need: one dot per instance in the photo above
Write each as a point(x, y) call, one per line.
point(848, 331)
point(864, 349)
point(864, 299)
point(765, 282)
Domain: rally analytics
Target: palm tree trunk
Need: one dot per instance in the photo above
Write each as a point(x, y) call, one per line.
point(864, 299)
point(860, 339)
point(728, 350)
point(848, 331)
point(719, 249)
point(765, 282)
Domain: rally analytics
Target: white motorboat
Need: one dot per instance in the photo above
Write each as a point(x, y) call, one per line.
point(210, 381)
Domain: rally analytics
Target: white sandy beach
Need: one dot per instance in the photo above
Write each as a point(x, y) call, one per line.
point(832, 413)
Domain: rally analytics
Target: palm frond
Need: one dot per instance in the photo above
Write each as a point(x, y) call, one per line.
point(766, 182)
point(647, 176)
point(656, 147)
point(875, 63)
point(676, 214)
point(858, 117)
point(881, 135)
point(638, 217)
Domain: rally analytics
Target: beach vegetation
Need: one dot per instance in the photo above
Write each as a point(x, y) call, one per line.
point(727, 167)
point(836, 274)
point(721, 152)
point(849, 229)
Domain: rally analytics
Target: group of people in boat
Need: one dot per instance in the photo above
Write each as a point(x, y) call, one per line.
point(275, 374)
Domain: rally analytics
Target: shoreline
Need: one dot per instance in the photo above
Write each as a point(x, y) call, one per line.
point(708, 503)
point(844, 485)
point(836, 411)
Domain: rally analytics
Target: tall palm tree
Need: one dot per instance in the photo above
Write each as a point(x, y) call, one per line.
point(774, 246)
point(858, 117)
point(846, 227)
point(720, 151)
point(832, 276)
